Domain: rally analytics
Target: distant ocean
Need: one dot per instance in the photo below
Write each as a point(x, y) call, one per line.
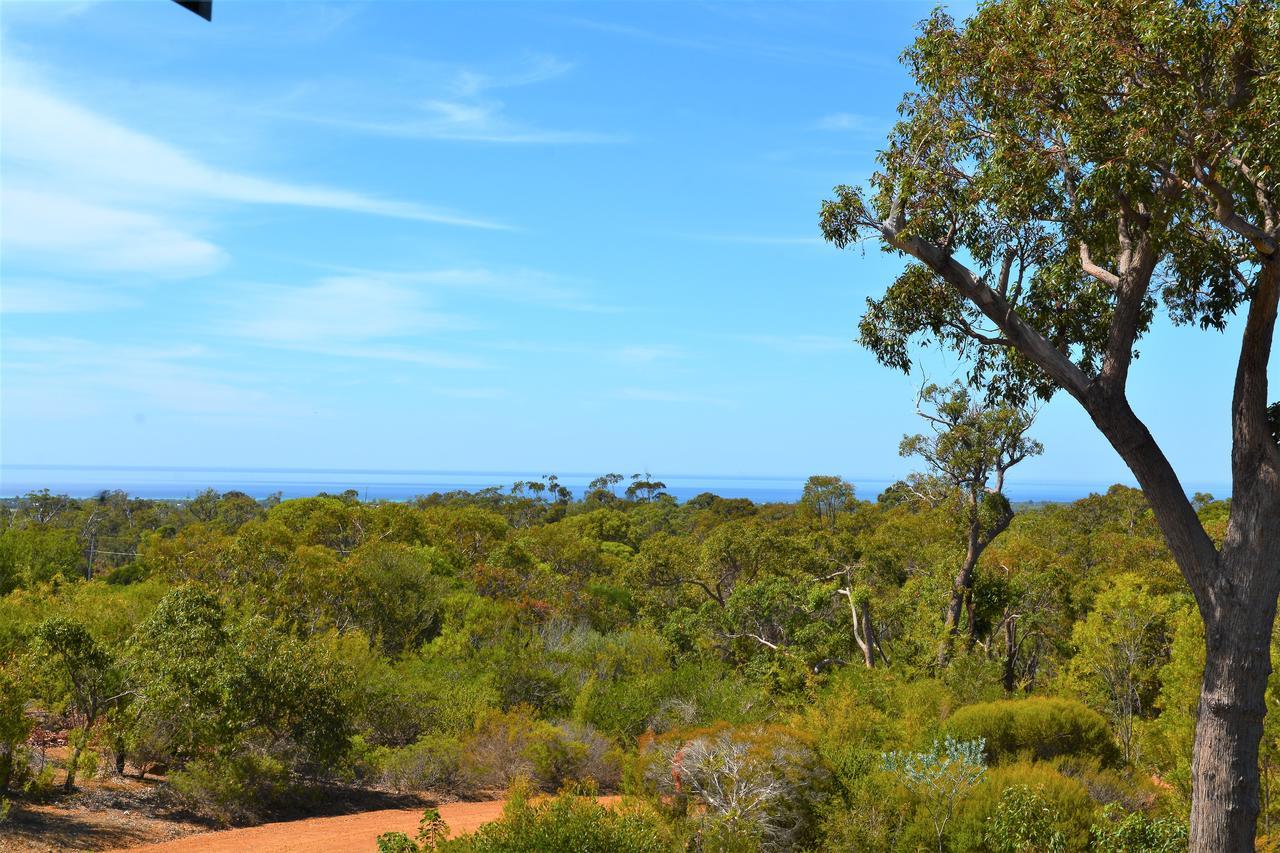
point(385, 484)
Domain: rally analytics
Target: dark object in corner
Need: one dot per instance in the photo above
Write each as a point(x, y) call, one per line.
point(203, 8)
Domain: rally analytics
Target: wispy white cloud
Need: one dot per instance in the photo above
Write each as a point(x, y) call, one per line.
point(470, 393)
point(73, 377)
point(51, 138)
point(533, 69)
point(514, 285)
point(84, 191)
point(458, 122)
point(460, 106)
point(51, 296)
point(337, 308)
point(70, 233)
point(346, 317)
point(807, 54)
point(405, 354)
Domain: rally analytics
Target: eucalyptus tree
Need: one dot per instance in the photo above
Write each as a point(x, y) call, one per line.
point(1062, 169)
point(969, 450)
point(82, 672)
point(827, 497)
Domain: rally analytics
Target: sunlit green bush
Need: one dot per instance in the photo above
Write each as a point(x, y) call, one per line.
point(1037, 728)
point(568, 823)
point(1071, 810)
point(240, 789)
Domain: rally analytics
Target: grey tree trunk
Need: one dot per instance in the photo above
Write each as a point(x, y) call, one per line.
point(961, 590)
point(1009, 677)
point(1224, 768)
point(868, 643)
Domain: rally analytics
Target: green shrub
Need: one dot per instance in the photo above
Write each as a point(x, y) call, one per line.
point(1070, 811)
point(1023, 823)
point(1132, 832)
point(874, 813)
point(233, 790)
point(515, 744)
point(1132, 789)
point(432, 831)
point(431, 764)
point(939, 778)
point(575, 752)
point(396, 842)
point(1038, 728)
point(568, 823)
point(15, 725)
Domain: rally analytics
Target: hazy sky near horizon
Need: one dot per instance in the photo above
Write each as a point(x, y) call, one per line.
point(565, 236)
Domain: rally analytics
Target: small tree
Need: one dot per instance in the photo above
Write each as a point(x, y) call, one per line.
point(827, 497)
point(940, 777)
point(432, 831)
point(1119, 650)
point(970, 449)
point(85, 675)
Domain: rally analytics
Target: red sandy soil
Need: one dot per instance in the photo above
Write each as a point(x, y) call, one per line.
point(355, 833)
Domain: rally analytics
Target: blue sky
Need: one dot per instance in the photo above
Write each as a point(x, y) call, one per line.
point(568, 236)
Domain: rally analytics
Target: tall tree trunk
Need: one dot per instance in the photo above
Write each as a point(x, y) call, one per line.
point(1239, 603)
point(1009, 678)
point(960, 588)
point(1224, 767)
point(868, 638)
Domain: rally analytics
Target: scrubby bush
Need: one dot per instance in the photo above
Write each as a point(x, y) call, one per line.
point(873, 813)
point(1037, 728)
point(575, 752)
point(396, 842)
point(432, 830)
point(1133, 832)
point(515, 744)
point(1131, 789)
point(750, 782)
point(240, 789)
point(1064, 808)
point(864, 713)
point(939, 777)
point(430, 764)
point(569, 823)
point(14, 728)
point(1024, 823)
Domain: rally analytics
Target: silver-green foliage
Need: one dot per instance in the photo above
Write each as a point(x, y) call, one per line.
point(940, 776)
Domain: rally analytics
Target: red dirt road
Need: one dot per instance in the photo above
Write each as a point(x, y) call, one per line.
point(354, 833)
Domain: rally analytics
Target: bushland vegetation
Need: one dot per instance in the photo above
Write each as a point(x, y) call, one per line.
point(709, 658)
